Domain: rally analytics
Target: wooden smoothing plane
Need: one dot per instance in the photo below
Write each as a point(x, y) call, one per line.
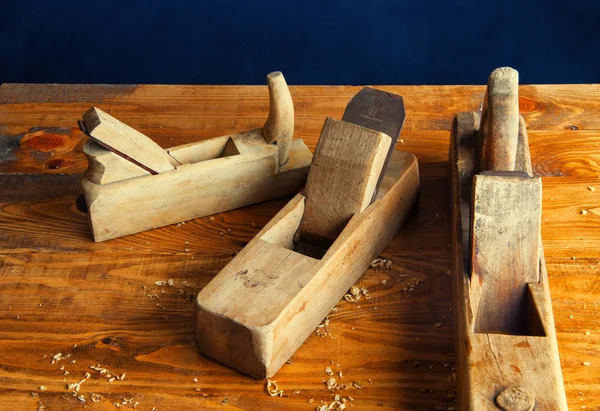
point(507, 355)
point(132, 184)
point(264, 304)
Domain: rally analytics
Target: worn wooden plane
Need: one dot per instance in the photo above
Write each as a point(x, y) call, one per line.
point(132, 184)
point(507, 356)
point(264, 304)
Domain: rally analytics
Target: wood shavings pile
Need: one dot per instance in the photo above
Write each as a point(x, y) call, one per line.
point(58, 356)
point(381, 263)
point(108, 374)
point(323, 328)
point(76, 386)
point(95, 397)
point(132, 403)
point(338, 404)
point(412, 283)
point(272, 388)
point(355, 294)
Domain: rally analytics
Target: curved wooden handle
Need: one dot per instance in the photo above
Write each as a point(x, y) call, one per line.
point(500, 120)
point(279, 126)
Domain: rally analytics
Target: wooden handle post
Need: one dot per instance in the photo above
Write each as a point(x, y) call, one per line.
point(279, 127)
point(500, 120)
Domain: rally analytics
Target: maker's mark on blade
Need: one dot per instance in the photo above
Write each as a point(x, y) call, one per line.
point(377, 110)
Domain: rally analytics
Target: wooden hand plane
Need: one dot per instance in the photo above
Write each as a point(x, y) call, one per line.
point(507, 356)
point(264, 304)
point(132, 184)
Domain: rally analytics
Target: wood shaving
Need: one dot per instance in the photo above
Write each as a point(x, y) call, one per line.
point(125, 402)
point(591, 188)
point(76, 386)
point(357, 385)
point(151, 296)
point(355, 294)
point(95, 397)
point(160, 282)
point(58, 357)
point(272, 388)
point(381, 263)
point(438, 325)
point(81, 398)
point(43, 388)
point(587, 363)
point(170, 282)
point(323, 328)
point(108, 374)
point(584, 212)
point(328, 371)
point(185, 284)
point(195, 379)
point(331, 383)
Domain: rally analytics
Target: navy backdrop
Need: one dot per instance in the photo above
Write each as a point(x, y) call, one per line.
point(312, 42)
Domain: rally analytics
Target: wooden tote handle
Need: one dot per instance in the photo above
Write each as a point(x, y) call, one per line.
point(279, 127)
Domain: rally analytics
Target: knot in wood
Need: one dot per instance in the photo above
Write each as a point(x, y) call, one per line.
point(515, 399)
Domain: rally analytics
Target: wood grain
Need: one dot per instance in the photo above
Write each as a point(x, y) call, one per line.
point(342, 179)
point(91, 294)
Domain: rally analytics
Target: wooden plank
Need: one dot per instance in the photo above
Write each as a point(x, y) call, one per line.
point(545, 107)
point(342, 179)
point(89, 291)
point(560, 153)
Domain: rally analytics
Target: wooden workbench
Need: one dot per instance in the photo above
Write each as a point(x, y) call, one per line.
point(62, 293)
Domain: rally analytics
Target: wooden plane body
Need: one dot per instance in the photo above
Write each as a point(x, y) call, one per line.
point(133, 185)
point(211, 178)
point(506, 350)
point(264, 304)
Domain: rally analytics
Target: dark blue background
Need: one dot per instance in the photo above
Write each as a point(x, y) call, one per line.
point(315, 42)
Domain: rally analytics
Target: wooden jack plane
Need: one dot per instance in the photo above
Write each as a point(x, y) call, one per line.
point(264, 304)
point(507, 355)
point(132, 184)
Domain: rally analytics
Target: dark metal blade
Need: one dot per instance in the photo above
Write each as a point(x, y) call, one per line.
point(379, 111)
